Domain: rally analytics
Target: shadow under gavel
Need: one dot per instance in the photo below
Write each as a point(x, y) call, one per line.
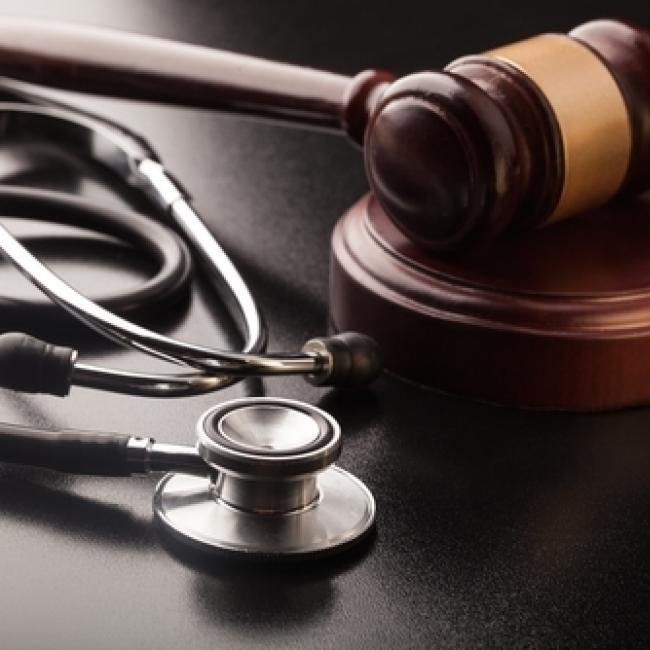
point(518, 137)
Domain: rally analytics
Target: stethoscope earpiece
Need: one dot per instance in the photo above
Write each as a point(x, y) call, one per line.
point(353, 360)
point(274, 491)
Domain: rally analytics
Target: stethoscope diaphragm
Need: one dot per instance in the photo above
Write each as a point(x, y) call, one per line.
point(274, 492)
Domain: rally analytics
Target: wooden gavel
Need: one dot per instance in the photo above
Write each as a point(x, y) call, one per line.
point(518, 137)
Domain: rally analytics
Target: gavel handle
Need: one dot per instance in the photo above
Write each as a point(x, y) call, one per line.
point(113, 63)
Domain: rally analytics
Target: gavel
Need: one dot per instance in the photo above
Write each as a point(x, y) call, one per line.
point(517, 137)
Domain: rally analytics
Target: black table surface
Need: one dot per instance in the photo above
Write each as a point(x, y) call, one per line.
point(496, 526)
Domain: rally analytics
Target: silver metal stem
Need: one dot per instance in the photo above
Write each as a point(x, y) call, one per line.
point(145, 455)
point(164, 457)
point(147, 384)
point(266, 497)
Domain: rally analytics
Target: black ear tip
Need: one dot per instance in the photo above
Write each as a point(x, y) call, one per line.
point(30, 365)
point(352, 360)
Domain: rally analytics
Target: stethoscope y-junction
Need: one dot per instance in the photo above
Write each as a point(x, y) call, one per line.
point(260, 480)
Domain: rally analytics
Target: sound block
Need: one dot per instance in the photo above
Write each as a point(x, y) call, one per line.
point(558, 318)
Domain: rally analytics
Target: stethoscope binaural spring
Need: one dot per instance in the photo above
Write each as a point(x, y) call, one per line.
point(245, 478)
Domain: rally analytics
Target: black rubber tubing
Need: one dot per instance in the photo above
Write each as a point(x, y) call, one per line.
point(73, 452)
point(30, 365)
point(155, 240)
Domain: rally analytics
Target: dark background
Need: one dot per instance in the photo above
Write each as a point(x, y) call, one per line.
point(496, 527)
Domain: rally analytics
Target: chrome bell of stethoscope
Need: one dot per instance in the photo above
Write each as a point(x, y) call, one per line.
point(273, 491)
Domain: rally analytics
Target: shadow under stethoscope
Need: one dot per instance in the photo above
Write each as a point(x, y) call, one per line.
point(263, 602)
point(45, 499)
point(354, 410)
point(227, 588)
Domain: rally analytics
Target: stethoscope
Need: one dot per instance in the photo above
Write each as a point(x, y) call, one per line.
point(261, 480)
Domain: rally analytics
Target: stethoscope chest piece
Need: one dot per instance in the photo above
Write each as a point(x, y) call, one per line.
point(274, 492)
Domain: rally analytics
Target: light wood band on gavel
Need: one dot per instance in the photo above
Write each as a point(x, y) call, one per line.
point(589, 108)
point(519, 137)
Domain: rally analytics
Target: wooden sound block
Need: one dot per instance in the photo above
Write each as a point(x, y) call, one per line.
point(557, 318)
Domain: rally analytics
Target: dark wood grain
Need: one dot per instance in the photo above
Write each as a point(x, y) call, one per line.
point(455, 157)
point(539, 161)
point(557, 319)
point(119, 64)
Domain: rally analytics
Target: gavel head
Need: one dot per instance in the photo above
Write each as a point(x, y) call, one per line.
point(519, 137)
